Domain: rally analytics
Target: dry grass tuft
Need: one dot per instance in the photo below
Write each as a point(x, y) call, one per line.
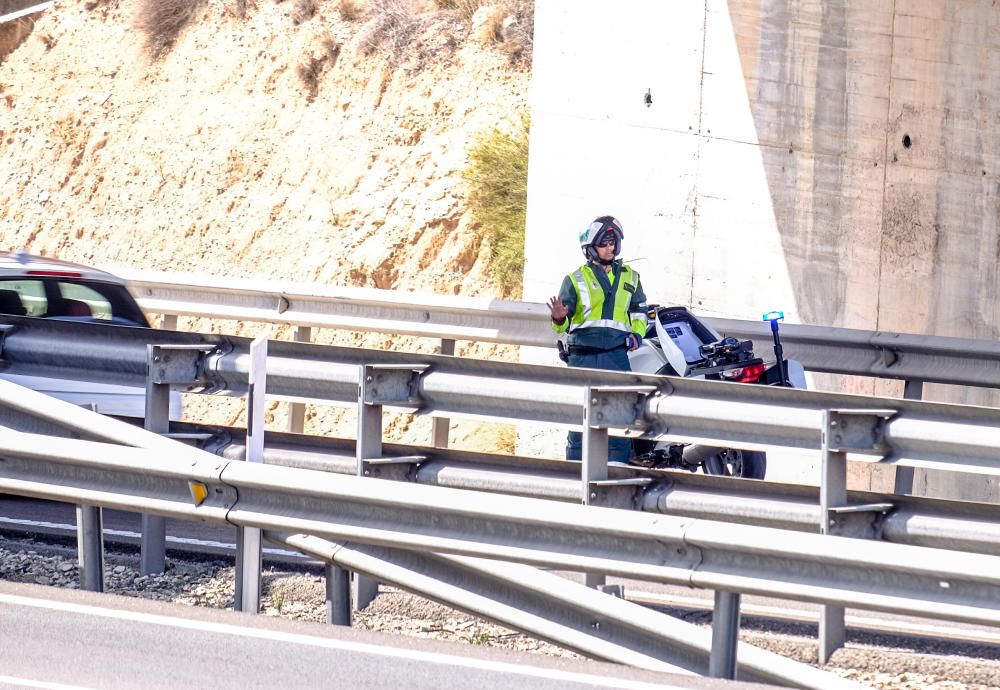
point(518, 31)
point(311, 70)
point(331, 49)
point(349, 10)
point(239, 8)
point(391, 25)
point(465, 8)
point(303, 11)
point(161, 22)
point(509, 24)
point(487, 26)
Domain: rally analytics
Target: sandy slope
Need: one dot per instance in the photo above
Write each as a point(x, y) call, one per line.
point(219, 158)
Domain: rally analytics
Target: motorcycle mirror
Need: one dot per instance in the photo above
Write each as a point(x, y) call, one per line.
point(773, 316)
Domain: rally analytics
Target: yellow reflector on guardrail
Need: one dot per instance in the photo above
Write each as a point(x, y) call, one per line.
point(199, 492)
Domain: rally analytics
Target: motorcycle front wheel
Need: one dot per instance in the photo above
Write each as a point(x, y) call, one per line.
point(750, 464)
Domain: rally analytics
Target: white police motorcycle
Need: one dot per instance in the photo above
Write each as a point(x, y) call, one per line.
point(679, 344)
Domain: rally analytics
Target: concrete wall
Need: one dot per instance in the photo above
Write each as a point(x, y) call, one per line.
point(837, 159)
point(685, 174)
point(834, 159)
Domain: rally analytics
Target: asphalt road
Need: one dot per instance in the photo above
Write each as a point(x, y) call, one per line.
point(58, 519)
point(65, 639)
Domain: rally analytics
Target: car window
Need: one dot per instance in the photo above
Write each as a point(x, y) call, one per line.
point(80, 300)
point(69, 299)
point(23, 298)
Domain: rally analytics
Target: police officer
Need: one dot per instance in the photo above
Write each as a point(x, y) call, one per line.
point(602, 308)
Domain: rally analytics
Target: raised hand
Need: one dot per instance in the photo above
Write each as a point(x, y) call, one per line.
point(558, 310)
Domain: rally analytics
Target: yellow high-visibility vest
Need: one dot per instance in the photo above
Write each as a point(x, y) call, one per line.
point(589, 310)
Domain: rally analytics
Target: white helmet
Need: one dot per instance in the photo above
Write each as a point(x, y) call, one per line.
point(597, 232)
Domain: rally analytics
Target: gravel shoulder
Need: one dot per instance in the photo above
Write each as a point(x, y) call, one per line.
point(300, 595)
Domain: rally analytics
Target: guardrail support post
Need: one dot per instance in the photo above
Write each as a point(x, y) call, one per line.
point(595, 465)
point(912, 390)
point(725, 635)
point(165, 365)
point(844, 431)
point(440, 425)
point(153, 547)
point(297, 410)
point(338, 595)
point(379, 385)
point(90, 540)
point(595, 446)
point(90, 547)
point(248, 539)
point(604, 407)
point(369, 445)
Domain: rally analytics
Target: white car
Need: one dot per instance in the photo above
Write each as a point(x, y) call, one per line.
point(52, 289)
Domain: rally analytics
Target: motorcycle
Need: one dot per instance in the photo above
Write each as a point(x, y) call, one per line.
point(683, 345)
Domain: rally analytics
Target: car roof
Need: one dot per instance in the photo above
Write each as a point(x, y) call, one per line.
point(20, 263)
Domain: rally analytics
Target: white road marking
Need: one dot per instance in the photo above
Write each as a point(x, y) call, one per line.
point(328, 643)
point(28, 683)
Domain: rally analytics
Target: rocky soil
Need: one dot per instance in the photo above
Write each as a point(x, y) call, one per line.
point(300, 595)
point(222, 155)
point(323, 147)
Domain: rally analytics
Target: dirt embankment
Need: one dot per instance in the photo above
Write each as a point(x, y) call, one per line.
point(312, 148)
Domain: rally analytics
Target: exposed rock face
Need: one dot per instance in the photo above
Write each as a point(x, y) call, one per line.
point(254, 147)
point(261, 143)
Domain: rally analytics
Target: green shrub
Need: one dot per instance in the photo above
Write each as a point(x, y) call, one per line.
point(497, 175)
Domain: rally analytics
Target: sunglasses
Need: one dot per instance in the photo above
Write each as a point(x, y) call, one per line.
point(605, 243)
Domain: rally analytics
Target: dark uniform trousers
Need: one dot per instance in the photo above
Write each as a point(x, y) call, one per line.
point(619, 449)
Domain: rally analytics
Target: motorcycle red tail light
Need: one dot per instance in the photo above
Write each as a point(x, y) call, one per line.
point(747, 374)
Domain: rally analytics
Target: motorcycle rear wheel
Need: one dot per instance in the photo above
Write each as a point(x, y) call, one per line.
point(750, 464)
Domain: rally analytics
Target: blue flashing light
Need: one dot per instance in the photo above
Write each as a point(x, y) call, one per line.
point(773, 316)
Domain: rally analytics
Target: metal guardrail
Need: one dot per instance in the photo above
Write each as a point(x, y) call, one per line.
point(521, 597)
point(360, 309)
point(916, 434)
point(919, 521)
point(903, 432)
point(699, 553)
point(910, 357)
